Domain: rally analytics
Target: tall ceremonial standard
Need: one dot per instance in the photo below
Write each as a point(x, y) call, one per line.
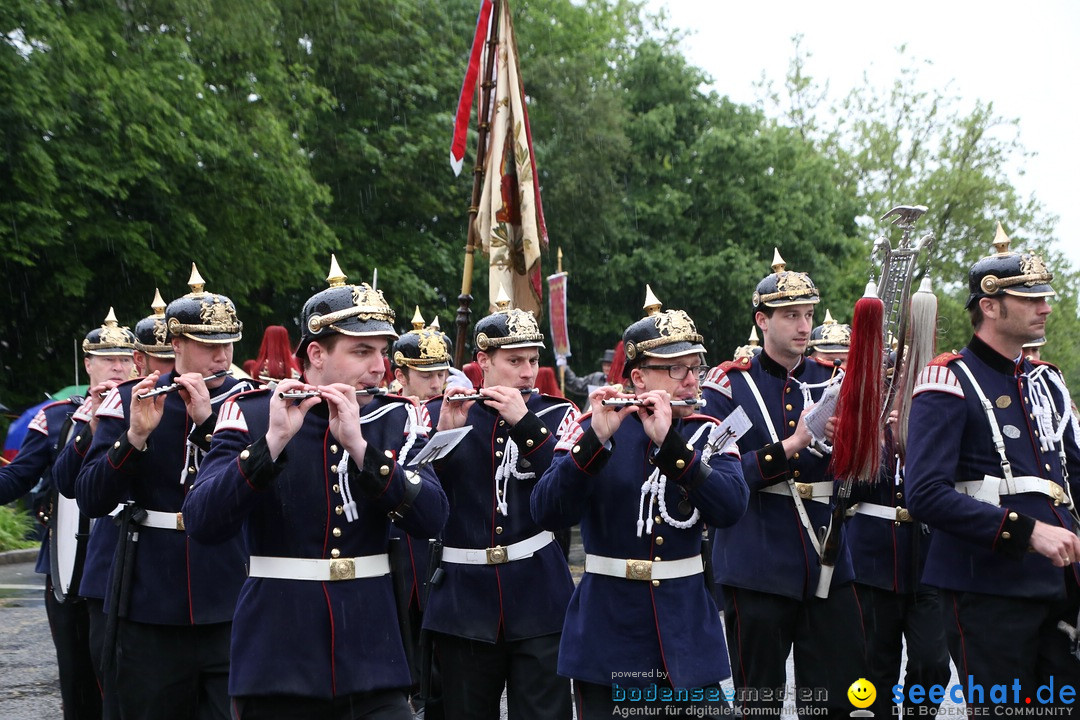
point(768, 563)
point(992, 465)
point(643, 481)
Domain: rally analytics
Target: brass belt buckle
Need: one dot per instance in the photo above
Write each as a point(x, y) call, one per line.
point(902, 515)
point(805, 490)
point(343, 569)
point(497, 555)
point(179, 521)
point(639, 569)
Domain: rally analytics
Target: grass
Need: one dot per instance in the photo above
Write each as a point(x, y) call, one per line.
point(14, 527)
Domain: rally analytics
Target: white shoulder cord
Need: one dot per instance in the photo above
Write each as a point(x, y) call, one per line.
point(800, 508)
point(193, 454)
point(656, 488)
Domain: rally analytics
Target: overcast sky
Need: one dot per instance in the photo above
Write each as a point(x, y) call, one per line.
point(1023, 57)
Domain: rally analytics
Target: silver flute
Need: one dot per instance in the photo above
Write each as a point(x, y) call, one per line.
point(176, 386)
point(629, 402)
point(478, 396)
point(305, 394)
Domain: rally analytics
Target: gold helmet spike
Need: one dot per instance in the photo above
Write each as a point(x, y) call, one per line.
point(110, 319)
point(502, 300)
point(435, 324)
point(196, 282)
point(1001, 241)
point(417, 320)
point(652, 304)
point(828, 318)
point(335, 278)
point(753, 339)
point(778, 264)
point(158, 305)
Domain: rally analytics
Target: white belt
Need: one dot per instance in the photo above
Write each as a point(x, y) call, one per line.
point(886, 512)
point(991, 489)
point(643, 569)
point(499, 554)
point(818, 492)
point(163, 520)
point(287, 568)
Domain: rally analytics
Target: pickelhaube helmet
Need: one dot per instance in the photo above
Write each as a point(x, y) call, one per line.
point(203, 316)
point(747, 352)
point(507, 328)
point(667, 334)
point(830, 336)
point(425, 349)
point(784, 287)
point(1035, 343)
point(152, 332)
point(110, 339)
point(354, 310)
point(1008, 272)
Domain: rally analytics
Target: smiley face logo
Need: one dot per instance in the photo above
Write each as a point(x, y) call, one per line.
point(862, 693)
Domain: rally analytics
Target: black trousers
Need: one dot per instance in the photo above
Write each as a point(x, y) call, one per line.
point(997, 641)
point(69, 625)
point(891, 618)
point(173, 672)
point(110, 708)
point(474, 673)
point(373, 705)
point(828, 641)
point(596, 702)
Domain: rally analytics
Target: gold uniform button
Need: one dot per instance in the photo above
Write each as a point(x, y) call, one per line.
point(337, 532)
point(336, 488)
point(384, 470)
point(768, 458)
point(338, 510)
point(788, 407)
point(116, 444)
point(500, 440)
point(796, 473)
point(795, 456)
point(498, 530)
point(658, 520)
point(787, 390)
point(501, 423)
point(333, 469)
point(543, 431)
point(1013, 516)
point(529, 443)
point(576, 450)
point(498, 453)
point(191, 468)
point(659, 541)
point(335, 553)
point(680, 463)
point(656, 583)
point(1006, 535)
point(333, 448)
point(899, 496)
point(244, 455)
point(209, 437)
point(1047, 466)
point(389, 454)
point(791, 423)
point(78, 438)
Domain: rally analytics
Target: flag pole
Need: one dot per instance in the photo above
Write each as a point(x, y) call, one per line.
point(562, 368)
point(483, 116)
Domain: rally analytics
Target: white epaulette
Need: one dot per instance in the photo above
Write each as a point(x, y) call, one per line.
point(938, 378)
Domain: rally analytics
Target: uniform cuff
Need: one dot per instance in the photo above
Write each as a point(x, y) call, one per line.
point(256, 465)
point(374, 477)
point(772, 462)
point(84, 439)
point(1014, 533)
point(589, 454)
point(122, 449)
point(529, 433)
point(675, 456)
point(202, 433)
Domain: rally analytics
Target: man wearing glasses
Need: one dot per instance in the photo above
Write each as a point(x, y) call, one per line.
point(767, 564)
point(643, 479)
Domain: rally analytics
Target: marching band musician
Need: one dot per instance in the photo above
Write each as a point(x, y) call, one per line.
point(769, 561)
point(421, 361)
point(153, 353)
point(107, 359)
point(497, 611)
point(643, 481)
point(993, 444)
point(170, 648)
point(313, 485)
